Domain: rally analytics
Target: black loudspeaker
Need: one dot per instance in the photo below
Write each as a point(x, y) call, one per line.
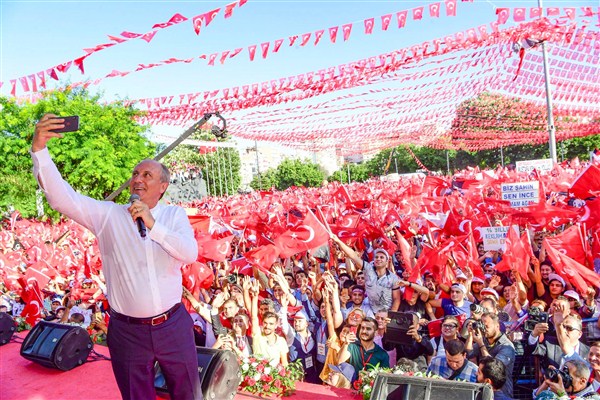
point(7, 328)
point(400, 387)
point(219, 372)
point(58, 346)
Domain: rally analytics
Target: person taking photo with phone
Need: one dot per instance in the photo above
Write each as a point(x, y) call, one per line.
point(143, 274)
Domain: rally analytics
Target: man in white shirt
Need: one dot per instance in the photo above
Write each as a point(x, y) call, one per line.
point(143, 274)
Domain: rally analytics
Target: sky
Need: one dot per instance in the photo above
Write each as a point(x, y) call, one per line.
point(37, 35)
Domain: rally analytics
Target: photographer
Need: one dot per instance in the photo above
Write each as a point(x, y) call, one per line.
point(419, 349)
point(555, 351)
point(490, 341)
point(569, 382)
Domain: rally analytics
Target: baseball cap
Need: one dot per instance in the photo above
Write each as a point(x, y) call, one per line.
point(381, 251)
point(461, 275)
point(476, 279)
point(555, 277)
point(460, 287)
point(301, 314)
point(572, 294)
point(491, 291)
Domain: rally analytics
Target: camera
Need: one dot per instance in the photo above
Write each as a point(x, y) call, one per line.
point(536, 316)
point(232, 279)
point(400, 323)
point(553, 374)
point(477, 309)
point(475, 324)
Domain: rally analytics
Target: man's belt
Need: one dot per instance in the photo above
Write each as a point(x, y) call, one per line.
point(156, 320)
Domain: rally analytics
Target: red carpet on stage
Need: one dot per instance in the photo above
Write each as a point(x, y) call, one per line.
point(21, 379)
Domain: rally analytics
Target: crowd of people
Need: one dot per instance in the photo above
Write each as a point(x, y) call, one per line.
point(400, 283)
point(343, 318)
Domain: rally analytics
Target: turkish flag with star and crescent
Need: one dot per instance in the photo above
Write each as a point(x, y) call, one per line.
point(304, 236)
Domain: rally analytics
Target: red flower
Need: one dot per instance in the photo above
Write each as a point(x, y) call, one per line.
point(250, 381)
point(260, 368)
point(277, 383)
point(267, 378)
point(266, 388)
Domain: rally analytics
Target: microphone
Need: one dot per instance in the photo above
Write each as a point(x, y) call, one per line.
point(138, 221)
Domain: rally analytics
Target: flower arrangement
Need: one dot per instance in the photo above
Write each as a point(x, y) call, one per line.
point(366, 378)
point(259, 377)
point(21, 324)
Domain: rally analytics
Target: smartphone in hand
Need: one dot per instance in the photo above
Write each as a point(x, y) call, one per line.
point(71, 124)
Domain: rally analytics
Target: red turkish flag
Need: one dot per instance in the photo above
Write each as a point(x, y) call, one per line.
point(209, 16)
point(305, 236)
point(401, 17)
point(175, 19)
point(570, 269)
point(369, 23)
point(214, 249)
point(34, 274)
point(130, 35)
point(42, 77)
point(552, 11)
point(148, 36)
point(570, 11)
point(305, 39)
point(24, 83)
point(587, 184)
point(535, 12)
point(265, 49)
point(515, 256)
point(570, 243)
point(450, 8)
point(197, 276)
point(503, 13)
point(252, 51)
point(277, 45)
point(197, 23)
point(434, 10)
point(34, 301)
point(385, 21)
point(333, 33)
point(318, 35)
point(519, 14)
point(347, 29)
point(229, 10)
point(418, 13)
point(263, 257)
point(591, 213)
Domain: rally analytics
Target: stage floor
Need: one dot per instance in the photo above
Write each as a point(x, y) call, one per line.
point(21, 379)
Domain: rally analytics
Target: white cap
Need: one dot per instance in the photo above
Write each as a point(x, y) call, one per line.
point(491, 291)
point(460, 287)
point(476, 279)
point(461, 275)
point(556, 277)
point(572, 294)
point(380, 250)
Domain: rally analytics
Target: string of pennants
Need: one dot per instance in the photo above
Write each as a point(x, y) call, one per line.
point(459, 67)
point(30, 83)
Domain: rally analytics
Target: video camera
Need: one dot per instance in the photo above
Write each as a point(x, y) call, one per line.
point(399, 324)
point(536, 316)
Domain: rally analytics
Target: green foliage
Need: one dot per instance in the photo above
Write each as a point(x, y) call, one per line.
point(265, 181)
point(358, 173)
point(298, 173)
point(220, 167)
point(95, 160)
point(290, 173)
